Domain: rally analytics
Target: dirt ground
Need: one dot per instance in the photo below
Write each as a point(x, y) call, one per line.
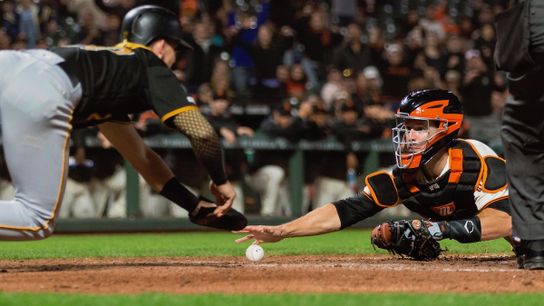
point(274, 274)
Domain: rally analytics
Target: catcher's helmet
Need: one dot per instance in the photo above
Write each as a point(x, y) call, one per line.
point(425, 108)
point(144, 24)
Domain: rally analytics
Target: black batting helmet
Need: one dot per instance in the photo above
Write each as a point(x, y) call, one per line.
point(147, 23)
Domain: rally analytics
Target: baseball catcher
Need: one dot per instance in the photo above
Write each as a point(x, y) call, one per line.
point(457, 186)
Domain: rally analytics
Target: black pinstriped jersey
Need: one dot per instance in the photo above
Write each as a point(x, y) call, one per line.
point(122, 80)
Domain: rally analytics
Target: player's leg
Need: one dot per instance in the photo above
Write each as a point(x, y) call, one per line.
point(495, 224)
point(36, 128)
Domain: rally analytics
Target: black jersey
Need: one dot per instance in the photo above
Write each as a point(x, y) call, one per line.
point(122, 80)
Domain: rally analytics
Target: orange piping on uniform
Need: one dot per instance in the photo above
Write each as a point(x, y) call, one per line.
point(494, 201)
point(178, 111)
point(60, 190)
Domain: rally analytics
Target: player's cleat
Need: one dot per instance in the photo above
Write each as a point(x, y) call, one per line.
point(534, 255)
point(203, 215)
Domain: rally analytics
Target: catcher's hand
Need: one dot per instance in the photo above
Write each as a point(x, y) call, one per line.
point(260, 233)
point(404, 237)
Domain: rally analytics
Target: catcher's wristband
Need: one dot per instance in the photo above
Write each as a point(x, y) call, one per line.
point(464, 231)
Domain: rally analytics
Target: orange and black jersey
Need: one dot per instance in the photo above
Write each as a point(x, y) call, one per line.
point(122, 80)
point(474, 178)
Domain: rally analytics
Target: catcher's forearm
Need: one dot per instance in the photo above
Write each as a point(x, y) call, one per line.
point(464, 231)
point(320, 221)
point(205, 143)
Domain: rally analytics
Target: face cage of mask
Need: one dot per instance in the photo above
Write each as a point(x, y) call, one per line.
point(406, 149)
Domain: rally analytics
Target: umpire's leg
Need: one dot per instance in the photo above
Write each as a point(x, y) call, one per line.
point(523, 138)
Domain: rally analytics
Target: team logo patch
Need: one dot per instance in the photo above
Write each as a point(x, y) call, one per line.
point(444, 210)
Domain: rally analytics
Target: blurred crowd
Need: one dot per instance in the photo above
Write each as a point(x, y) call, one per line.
point(330, 69)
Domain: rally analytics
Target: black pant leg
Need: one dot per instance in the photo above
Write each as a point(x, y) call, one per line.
point(523, 138)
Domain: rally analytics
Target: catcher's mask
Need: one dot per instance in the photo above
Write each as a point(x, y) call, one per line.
point(426, 122)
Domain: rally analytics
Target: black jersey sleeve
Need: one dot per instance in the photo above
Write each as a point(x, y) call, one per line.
point(354, 209)
point(168, 97)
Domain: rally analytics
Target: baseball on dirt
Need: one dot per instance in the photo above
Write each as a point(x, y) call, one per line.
point(254, 252)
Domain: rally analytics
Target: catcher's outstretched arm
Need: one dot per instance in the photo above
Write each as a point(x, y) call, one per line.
point(320, 221)
point(329, 218)
point(205, 143)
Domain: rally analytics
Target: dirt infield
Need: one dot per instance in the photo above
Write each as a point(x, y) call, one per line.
point(296, 274)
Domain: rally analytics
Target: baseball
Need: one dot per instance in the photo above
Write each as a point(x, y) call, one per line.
point(254, 252)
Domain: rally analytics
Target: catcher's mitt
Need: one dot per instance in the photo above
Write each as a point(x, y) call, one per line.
point(404, 237)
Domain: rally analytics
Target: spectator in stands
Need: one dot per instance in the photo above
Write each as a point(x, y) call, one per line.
point(10, 19)
point(332, 86)
point(374, 85)
point(90, 33)
point(319, 40)
point(376, 44)
point(53, 33)
point(267, 54)
point(204, 95)
point(431, 22)
point(352, 55)
point(244, 23)
point(432, 77)
point(4, 40)
point(455, 50)
point(296, 86)
point(29, 27)
point(220, 80)
point(485, 43)
point(343, 12)
point(204, 54)
point(452, 81)
point(476, 90)
point(316, 118)
point(395, 73)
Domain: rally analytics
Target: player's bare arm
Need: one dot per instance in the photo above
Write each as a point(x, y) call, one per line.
point(493, 224)
point(320, 221)
point(128, 142)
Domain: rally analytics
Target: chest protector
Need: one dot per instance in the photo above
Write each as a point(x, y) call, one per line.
point(451, 196)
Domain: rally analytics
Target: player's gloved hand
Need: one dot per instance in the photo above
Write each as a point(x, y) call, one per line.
point(261, 233)
point(406, 237)
point(204, 215)
point(224, 195)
